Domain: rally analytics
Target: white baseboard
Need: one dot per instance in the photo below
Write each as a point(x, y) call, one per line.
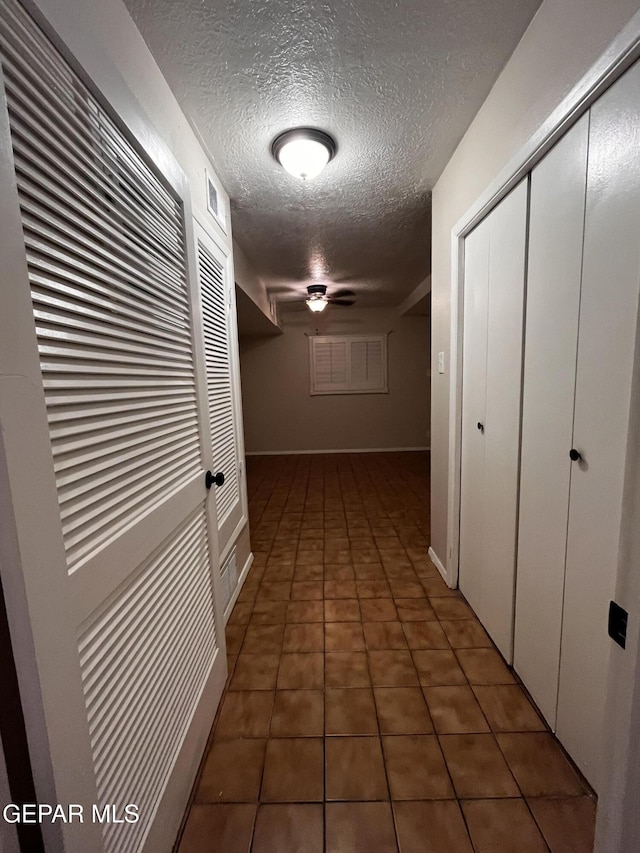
point(437, 563)
point(238, 589)
point(336, 450)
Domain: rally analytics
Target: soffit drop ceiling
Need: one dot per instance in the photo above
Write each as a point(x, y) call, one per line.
point(396, 82)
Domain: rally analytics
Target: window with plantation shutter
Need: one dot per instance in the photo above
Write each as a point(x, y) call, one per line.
point(348, 364)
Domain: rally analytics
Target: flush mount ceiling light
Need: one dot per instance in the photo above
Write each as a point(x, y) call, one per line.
point(303, 151)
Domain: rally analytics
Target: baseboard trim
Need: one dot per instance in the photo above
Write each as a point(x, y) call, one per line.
point(438, 564)
point(238, 589)
point(335, 450)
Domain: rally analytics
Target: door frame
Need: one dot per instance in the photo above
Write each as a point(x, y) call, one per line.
point(617, 822)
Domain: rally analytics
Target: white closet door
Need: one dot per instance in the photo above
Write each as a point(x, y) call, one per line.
point(112, 550)
point(476, 303)
point(488, 510)
point(607, 336)
point(224, 411)
point(556, 223)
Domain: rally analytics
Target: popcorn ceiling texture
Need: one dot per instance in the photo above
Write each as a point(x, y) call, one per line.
point(396, 83)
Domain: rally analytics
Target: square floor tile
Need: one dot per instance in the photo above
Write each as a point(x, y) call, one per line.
point(451, 608)
point(359, 828)
point(507, 708)
point(232, 771)
point(240, 614)
point(366, 556)
point(436, 587)
point(306, 574)
point(350, 711)
point(414, 610)
point(477, 767)
point(263, 639)
point(269, 613)
point(218, 829)
point(297, 713)
point(340, 589)
point(342, 610)
point(416, 768)
point(354, 769)
point(539, 765)
point(392, 669)
point(304, 637)
point(373, 589)
point(484, 666)
point(369, 571)
point(274, 591)
point(454, 710)
point(245, 713)
point(466, 634)
point(301, 670)
point(406, 589)
point(502, 826)
point(431, 826)
point(255, 672)
point(307, 591)
point(281, 828)
point(234, 635)
point(338, 572)
point(402, 711)
point(293, 770)
point(568, 825)
point(437, 667)
point(346, 669)
point(343, 637)
point(378, 610)
point(384, 635)
point(425, 635)
point(305, 611)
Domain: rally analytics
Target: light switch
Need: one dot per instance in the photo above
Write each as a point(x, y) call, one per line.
point(440, 362)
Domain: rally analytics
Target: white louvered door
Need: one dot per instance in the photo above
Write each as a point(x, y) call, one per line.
point(115, 552)
point(224, 410)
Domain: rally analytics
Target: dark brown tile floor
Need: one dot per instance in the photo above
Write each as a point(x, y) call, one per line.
point(366, 710)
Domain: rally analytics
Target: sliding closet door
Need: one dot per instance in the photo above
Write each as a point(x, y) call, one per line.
point(608, 318)
point(476, 303)
point(556, 222)
point(490, 463)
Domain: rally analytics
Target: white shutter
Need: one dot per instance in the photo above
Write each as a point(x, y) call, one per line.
point(348, 364)
point(105, 249)
point(224, 415)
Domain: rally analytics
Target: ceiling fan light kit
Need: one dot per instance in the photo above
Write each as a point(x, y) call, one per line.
point(303, 151)
point(317, 299)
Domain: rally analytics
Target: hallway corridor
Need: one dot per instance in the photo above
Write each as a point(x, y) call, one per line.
point(366, 710)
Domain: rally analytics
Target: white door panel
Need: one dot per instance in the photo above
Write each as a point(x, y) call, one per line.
point(558, 186)
point(502, 420)
point(608, 317)
point(476, 300)
point(494, 292)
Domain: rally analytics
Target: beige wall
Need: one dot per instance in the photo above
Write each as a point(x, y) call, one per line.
point(281, 415)
point(563, 41)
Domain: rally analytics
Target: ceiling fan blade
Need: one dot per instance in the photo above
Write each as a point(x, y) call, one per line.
point(338, 294)
point(344, 302)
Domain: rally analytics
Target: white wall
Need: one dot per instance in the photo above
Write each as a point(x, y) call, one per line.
point(564, 39)
point(281, 415)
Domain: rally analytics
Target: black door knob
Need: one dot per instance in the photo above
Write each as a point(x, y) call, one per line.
point(574, 455)
point(480, 426)
point(213, 479)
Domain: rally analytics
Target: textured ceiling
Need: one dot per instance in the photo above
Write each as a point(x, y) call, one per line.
point(396, 82)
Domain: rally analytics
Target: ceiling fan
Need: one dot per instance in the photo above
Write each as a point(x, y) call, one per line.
point(317, 299)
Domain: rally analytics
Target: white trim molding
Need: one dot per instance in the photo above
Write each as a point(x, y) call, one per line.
point(437, 562)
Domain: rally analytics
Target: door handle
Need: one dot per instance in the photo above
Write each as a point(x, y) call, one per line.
point(575, 455)
point(213, 479)
point(481, 427)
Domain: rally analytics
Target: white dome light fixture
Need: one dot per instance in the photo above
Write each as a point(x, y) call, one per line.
point(303, 151)
point(317, 300)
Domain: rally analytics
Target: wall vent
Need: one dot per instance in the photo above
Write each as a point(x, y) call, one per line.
point(229, 576)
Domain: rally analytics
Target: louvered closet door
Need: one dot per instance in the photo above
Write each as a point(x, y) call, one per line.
point(125, 610)
point(224, 409)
